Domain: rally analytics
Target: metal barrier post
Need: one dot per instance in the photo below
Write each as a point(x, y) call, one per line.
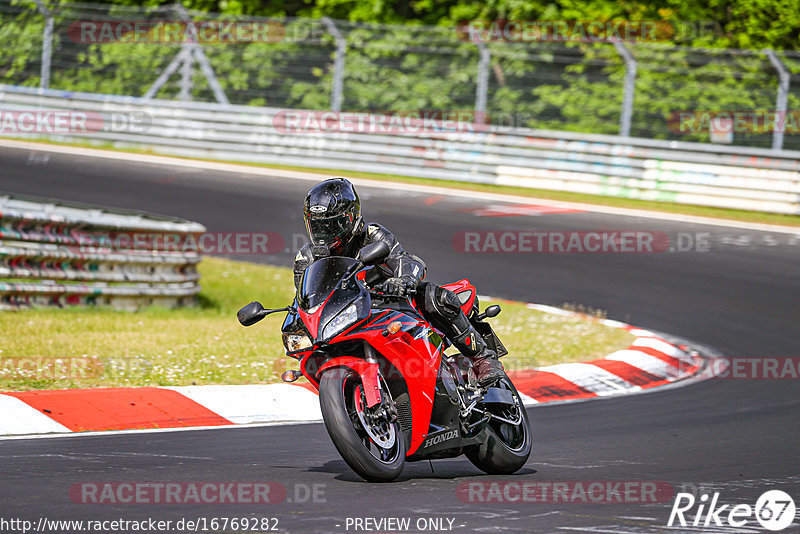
point(47, 44)
point(190, 51)
point(185, 93)
point(781, 102)
point(176, 62)
point(482, 89)
point(337, 94)
point(630, 88)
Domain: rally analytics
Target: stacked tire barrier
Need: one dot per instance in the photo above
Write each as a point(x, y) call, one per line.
point(666, 171)
point(59, 254)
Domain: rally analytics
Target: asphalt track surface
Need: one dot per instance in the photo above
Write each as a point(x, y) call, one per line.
point(738, 437)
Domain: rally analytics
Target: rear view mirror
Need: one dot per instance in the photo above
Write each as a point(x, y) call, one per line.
point(373, 253)
point(251, 314)
point(491, 311)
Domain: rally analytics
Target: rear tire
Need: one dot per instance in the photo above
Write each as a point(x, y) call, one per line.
point(338, 398)
point(506, 448)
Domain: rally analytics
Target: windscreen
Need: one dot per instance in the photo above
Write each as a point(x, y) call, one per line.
point(320, 278)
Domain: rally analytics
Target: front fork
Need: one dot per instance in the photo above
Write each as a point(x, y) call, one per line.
point(389, 410)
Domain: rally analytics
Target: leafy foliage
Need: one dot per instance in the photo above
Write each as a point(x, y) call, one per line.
point(410, 56)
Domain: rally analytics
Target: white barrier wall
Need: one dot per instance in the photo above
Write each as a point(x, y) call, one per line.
point(667, 171)
point(55, 254)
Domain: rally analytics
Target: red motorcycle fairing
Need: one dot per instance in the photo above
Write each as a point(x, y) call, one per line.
point(368, 371)
point(415, 351)
point(465, 292)
point(311, 320)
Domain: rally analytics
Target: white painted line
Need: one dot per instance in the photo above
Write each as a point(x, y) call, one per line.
point(549, 309)
point(639, 332)
point(612, 323)
point(433, 190)
point(19, 418)
point(70, 434)
point(605, 529)
point(526, 400)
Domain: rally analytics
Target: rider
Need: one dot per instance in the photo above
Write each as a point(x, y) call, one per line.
point(332, 213)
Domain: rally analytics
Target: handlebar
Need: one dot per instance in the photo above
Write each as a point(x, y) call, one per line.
point(384, 296)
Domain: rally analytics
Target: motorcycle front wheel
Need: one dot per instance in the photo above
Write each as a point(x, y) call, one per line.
point(508, 440)
point(369, 441)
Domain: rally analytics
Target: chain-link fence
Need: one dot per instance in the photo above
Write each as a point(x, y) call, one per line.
point(642, 89)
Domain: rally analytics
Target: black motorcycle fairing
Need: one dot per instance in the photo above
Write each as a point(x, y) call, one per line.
point(293, 325)
point(292, 322)
point(487, 333)
point(445, 438)
point(397, 305)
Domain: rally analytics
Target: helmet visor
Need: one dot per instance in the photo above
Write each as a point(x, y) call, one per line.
point(329, 231)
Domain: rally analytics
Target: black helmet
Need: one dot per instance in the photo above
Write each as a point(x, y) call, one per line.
point(332, 212)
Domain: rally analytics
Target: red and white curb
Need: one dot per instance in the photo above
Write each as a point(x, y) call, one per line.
point(103, 409)
point(649, 362)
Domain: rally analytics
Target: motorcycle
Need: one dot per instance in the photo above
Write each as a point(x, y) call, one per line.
point(388, 392)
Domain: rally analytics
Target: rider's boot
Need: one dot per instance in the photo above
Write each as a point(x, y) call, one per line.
point(471, 344)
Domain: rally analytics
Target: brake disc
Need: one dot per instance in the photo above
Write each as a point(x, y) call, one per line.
point(383, 436)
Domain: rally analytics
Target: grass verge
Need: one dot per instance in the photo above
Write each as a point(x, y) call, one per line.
point(67, 348)
point(566, 196)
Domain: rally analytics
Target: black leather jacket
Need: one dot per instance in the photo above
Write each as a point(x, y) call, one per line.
point(399, 263)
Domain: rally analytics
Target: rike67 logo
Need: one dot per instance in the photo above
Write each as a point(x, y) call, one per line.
point(774, 510)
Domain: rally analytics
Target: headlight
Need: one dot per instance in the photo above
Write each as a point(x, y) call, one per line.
point(340, 322)
point(294, 342)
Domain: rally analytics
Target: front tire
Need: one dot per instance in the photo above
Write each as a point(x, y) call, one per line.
point(372, 446)
point(506, 447)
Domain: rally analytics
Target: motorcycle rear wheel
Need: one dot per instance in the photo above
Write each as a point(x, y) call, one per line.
point(372, 446)
point(507, 447)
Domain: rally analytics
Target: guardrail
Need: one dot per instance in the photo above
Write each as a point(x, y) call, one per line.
point(667, 171)
point(58, 254)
